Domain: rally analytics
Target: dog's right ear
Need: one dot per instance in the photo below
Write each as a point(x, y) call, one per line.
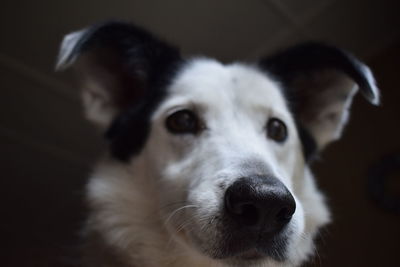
point(118, 64)
point(319, 82)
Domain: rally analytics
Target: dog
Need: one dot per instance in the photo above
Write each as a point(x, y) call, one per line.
point(208, 163)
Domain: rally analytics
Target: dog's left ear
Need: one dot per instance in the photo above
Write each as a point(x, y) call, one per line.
point(320, 82)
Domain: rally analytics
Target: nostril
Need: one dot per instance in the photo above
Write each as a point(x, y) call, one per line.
point(243, 210)
point(284, 215)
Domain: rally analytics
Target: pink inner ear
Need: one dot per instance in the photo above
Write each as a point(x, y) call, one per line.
point(326, 121)
point(322, 100)
point(113, 82)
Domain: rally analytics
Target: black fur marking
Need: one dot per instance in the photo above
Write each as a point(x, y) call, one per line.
point(159, 63)
point(129, 131)
point(314, 56)
point(143, 66)
point(310, 148)
point(300, 61)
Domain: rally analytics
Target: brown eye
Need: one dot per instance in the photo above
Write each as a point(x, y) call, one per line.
point(183, 122)
point(276, 130)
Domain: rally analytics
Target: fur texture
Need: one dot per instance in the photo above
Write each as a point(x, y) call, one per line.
point(157, 199)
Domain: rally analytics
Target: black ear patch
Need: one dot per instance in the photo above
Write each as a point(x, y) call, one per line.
point(311, 57)
point(310, 148)
point(319, 82)
point(131, 70)
point(158, 63)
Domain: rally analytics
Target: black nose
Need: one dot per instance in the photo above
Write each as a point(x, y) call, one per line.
point(260, 202)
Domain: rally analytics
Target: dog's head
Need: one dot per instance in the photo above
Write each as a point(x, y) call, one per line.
point(227, 145)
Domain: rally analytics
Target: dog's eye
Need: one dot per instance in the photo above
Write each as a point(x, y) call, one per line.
point(276, 130)
point(182, 122)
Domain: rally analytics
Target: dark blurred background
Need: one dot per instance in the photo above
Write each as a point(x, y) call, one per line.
point(47, 149)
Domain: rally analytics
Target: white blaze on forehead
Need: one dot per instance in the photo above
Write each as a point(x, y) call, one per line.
point(234, 102)
point(206, 82)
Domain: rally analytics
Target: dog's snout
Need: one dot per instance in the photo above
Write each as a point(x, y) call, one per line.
point(261, 203)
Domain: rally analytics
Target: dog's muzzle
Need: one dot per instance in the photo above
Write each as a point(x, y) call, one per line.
point(257, 209)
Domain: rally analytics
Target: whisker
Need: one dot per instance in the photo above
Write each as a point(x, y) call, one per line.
point(176, 211)
point(178, 229)
point(178, 203)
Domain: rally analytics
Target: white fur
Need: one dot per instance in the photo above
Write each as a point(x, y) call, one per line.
point(69, 43)
point(371, 80)
point(154, 210)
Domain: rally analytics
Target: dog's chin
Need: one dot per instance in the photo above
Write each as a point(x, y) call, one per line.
point(237, 250)
point(251, 257)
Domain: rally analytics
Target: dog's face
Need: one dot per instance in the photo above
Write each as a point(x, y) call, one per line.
point(226, 145)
